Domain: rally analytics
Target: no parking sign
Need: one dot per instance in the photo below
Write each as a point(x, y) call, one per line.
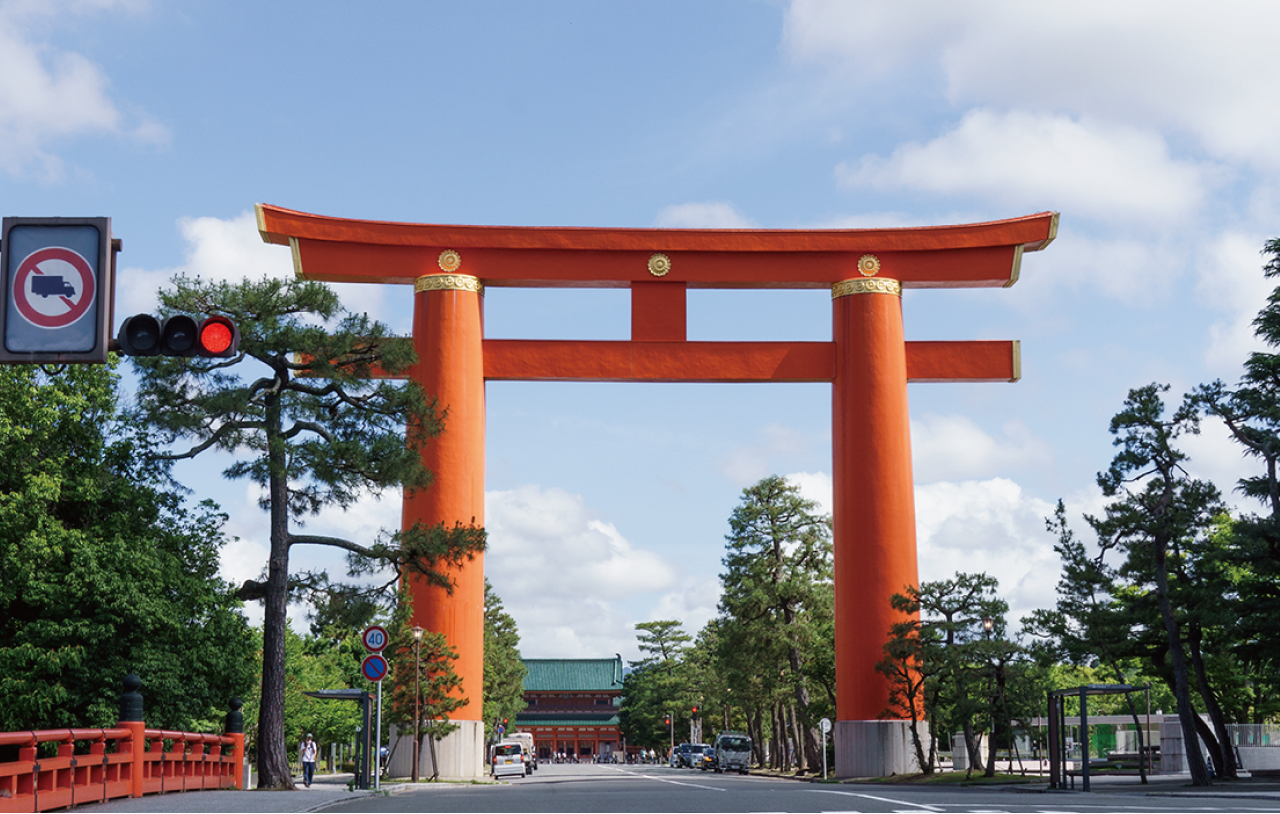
point(56, 290)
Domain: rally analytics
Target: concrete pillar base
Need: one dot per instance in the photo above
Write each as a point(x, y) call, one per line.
point(461, 754)
point(876, 748)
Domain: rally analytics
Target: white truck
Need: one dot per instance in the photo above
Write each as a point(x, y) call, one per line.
point(733, 752)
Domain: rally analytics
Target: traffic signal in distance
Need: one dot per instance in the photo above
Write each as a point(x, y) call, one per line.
point(667, 720)
point(179, 335)
point(695, 709)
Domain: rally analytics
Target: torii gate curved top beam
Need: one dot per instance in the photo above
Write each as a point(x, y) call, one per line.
point(340, 250)
point(868, 362)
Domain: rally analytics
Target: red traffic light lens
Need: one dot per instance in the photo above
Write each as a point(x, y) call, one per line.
point(219, 338)
point(215, 337)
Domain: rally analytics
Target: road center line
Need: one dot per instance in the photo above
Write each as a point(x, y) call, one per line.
point(877, 799)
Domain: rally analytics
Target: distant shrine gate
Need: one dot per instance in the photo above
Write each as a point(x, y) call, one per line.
point(868, 363)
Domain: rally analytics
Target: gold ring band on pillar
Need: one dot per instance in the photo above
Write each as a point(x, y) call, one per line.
point(869, 285)
point(448, 282)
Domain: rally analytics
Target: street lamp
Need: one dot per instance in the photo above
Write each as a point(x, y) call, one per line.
point(987, 624)
point(417, 696)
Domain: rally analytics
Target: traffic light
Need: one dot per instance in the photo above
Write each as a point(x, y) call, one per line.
point(179, 335)
point(667, 720)
point(695, 710)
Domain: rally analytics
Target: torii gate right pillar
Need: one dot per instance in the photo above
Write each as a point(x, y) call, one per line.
point(874, 517)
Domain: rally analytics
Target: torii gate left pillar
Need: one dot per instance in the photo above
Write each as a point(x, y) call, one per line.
point(868, 362)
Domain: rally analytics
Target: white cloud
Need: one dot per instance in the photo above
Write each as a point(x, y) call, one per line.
point(746, 464)
point(954, 447)
point(815, 486)
point(47, 95)
point(562, 573)
point(219, 249)
point(1198, 68)
point(1231, 281)
point(1041, 161)
point(990, 527)
point(693, 605)
point(703, 215)
point(1139, 273)
point(971, 526)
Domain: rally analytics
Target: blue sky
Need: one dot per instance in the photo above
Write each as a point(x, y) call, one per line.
point(1150, 126)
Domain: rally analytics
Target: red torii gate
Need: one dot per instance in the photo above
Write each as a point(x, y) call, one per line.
point(868, 362)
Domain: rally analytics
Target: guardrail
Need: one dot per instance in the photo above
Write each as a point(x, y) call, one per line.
point(96, 765)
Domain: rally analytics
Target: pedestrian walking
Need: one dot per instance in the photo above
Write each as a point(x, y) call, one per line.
point(307, 754)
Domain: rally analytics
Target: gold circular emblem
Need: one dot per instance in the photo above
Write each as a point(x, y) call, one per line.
point(659, 265)
point(869, 265)
point(450, 260)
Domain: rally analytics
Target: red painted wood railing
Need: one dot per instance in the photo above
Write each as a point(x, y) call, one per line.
point(128, 761)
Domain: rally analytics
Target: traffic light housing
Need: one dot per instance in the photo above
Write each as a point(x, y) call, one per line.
point(179, 335)
point(667, 720)
point(695, 709)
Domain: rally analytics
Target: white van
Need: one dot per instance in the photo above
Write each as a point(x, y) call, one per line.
point(525, 739)
point(507, 758)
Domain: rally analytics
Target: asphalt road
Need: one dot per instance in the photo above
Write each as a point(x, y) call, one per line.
point(575, 788)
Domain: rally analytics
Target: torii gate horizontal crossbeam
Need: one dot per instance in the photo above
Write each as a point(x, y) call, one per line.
point(553, 360)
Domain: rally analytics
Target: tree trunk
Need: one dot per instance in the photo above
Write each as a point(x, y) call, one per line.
point(997, 692)
point(1181, 688)
point(273, 758)
point(435, 764)
point(802, 759)
point(972, 746)
point(755, 728)
point(783, 759)
point(1224, 760)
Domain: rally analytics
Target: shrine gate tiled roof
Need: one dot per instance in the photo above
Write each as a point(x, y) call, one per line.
point(573, 675)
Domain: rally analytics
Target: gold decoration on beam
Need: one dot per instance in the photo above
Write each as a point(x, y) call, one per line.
point(448, 282)
point(450, 260)
point(877, 285)
point(659, 264)
point(869, 265)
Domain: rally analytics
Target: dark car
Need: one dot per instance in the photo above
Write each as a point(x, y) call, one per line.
point(680, 758)
point(707, 760)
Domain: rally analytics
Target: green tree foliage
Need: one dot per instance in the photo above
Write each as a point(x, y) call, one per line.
point(657, 686)
point(504, 671)
point(1156, 520)
point(778, 560)
point(945, 669)
point(434, 694)
point(104, 570)
point(315, 428)
point(1251, 547)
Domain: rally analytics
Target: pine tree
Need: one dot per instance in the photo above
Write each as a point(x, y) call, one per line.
point(307, 404)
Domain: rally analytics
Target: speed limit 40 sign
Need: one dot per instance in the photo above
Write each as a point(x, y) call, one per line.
point(375, 638)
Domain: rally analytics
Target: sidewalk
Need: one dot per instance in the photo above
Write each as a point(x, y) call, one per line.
point(1178, 785)
point(326, 789)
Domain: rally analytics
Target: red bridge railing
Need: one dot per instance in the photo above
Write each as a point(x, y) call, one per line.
point(96, 765)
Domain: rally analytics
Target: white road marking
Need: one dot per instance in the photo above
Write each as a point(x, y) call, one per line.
point(665, 780)
point(877, 799)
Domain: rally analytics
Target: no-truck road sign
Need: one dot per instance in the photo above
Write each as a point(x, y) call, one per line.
point(56, 289)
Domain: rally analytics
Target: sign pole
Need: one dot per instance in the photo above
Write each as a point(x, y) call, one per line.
point(377, 747)
point(374, 668)
point(825, 726)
